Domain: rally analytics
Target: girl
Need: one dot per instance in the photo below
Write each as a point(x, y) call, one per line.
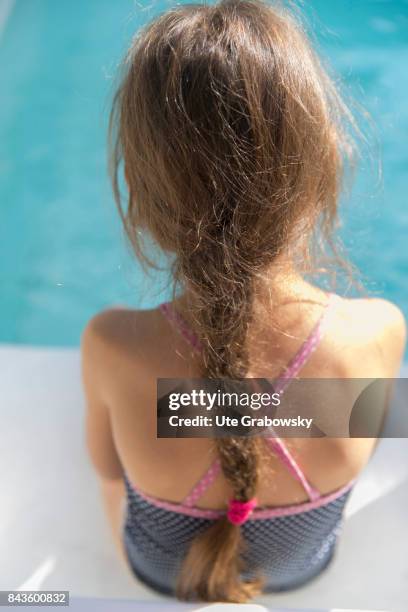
point(234, 142)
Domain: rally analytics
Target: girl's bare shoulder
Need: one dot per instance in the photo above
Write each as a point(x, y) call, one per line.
point(373, 317)
point(373, 331)
point(119, 322)
point(120, 333)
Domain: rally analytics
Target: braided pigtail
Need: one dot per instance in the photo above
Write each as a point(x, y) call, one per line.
point(220, 309)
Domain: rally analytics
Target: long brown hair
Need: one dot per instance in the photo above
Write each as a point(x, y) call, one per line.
point(234, 143)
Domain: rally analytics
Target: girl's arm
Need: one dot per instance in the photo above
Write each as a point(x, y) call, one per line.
point(99, 435)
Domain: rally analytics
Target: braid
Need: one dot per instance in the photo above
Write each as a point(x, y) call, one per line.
point(221, 310)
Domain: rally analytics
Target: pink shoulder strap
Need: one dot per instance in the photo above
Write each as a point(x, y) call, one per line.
point(308, 347)
point(174, 317)
point(203, 484)
point(279, 447)
point(274, 442)
point(295, 365)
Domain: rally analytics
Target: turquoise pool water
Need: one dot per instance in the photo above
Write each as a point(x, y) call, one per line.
point(62, 255)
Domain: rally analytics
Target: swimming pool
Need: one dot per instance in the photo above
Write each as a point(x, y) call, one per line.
point(62, 255)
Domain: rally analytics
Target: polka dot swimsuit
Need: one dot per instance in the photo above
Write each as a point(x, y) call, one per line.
point(288, 545)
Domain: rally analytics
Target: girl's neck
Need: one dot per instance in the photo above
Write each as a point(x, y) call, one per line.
point(280, 285)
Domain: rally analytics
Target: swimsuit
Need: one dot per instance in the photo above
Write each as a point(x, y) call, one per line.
point(287, 545)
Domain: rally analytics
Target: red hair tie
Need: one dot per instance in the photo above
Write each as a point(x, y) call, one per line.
point(239, 512)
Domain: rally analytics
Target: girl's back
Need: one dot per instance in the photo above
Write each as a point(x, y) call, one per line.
point(364, 339)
